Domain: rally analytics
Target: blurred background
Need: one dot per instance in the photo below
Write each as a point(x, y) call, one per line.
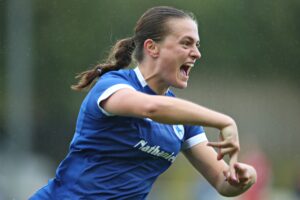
point(250, 69)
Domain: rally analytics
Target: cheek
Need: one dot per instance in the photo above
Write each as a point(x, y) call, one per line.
point(169, 72)
point(172, 60)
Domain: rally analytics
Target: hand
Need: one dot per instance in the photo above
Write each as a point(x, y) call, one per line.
point(229, 144)
point(246, 176)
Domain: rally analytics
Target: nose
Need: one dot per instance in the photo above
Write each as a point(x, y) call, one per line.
point(196, 53)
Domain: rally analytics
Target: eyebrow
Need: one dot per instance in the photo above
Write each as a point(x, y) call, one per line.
point(192, 39)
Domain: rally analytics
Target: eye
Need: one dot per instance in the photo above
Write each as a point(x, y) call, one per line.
point(185, 44)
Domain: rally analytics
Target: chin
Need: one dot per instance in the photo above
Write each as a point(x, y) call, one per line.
point(181, 85)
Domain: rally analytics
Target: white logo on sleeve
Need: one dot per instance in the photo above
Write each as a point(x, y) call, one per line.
point(179, 131)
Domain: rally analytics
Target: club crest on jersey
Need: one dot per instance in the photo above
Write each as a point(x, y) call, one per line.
point(179, 130)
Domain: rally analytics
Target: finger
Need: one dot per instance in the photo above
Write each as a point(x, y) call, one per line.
point(222, 152)
point(222, 144)
point(239, 168)
point(226, 174)
point(233, 181)
point(233, 159)
point(244, 180)
point(242, 173)
point(220, 156)
point(232, 162)
point(216, 144)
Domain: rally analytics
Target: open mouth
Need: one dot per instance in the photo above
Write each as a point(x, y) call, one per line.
point(186, 68)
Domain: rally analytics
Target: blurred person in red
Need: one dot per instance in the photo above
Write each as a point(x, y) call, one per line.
point(258, 159)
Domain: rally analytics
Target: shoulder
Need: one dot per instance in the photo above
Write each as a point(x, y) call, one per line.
point(107, 85)
point(113, 78)
point(122, 74)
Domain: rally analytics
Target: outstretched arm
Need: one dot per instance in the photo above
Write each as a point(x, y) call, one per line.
point(169, 110)
point(217, 173)
point(164, 109)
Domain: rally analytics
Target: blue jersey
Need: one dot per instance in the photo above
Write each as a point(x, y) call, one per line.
point(117, 157)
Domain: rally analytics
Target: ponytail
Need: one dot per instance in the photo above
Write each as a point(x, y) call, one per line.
point(152, 24)
point(120, 57)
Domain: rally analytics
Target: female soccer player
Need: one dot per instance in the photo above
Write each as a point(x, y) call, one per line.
point(130, 127)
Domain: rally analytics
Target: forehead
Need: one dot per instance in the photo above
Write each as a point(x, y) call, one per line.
point(182, 28)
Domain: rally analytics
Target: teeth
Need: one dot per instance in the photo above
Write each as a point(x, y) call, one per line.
point(190, 64)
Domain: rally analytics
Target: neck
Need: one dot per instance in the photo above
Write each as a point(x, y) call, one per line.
point(153, 78)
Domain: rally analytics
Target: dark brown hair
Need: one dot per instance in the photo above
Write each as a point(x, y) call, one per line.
point(151, 25)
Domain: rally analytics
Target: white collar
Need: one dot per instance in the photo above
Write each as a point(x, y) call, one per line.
point(140, 76)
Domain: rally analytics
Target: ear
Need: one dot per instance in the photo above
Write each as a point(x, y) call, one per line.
point(151, 48)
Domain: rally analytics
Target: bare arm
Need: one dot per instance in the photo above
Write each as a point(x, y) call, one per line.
point(170, 110)
point(164, 109)
point(216, 172)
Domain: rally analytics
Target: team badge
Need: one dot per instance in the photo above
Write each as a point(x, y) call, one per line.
point(179, 131)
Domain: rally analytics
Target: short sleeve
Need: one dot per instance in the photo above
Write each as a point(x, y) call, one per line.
point(193, 135)
point(108, 85)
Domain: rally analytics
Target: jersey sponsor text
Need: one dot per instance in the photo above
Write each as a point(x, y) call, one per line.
point(155, 150)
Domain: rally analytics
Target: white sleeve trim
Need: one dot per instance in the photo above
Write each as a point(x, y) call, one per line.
point(194, 140)
point(108, 92)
